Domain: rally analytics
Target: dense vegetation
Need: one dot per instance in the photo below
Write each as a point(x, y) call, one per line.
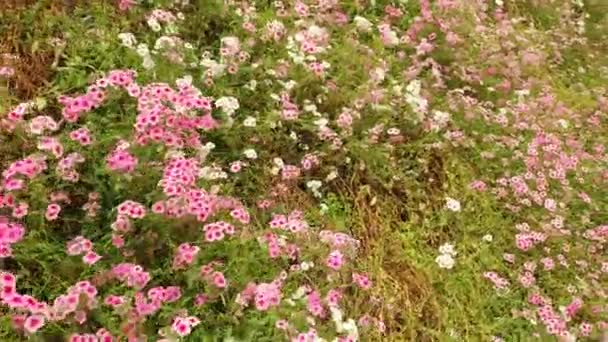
point(309, 170)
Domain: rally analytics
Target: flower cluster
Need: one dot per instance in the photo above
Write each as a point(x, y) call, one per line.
point(446, 256)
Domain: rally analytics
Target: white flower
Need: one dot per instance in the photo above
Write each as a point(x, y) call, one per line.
point(184, 81)
point(148, 63)
point(452, 204)
point(378, 74)
point(240, 300)
point(297, 58)
point(306, 265)
point(322, 122)
point(440, 119)
point(336, 316)
point(212, 172)
point(249, 121)
point(447, 248)
point(216, 69)
point(350, 328)
point(331, 176)
point(228, 104)
point(393, 131)
point(568, 337)
point(252, 85)
point(154, 25)
point(142, 50)
point(250, 153)
point(127, 39)
point(165, 42)
point(445, 261)
point(231, 44)
point(278, 162)
point(391, 38)
point(362, 24)
point(311, 107)
point(316, 31)
point(203, 152)
point(314, 186)
point(289, 84)
point(324, 208)
point(487, 238)
point(174, 154)
point(414, 99)
point(413, 87)
point(299, 293)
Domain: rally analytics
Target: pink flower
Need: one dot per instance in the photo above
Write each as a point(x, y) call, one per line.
point(362, 281)
point(315, 307)
point(121, 160)
point(20, 210)
point(282, 324)
point(52, 211)
point(5, 250)
point(118, 241)
point(13, 184)
point(91, 258)
point(585, 328)
point(18, 321)
point(158, 207)
point(185, 255)
point(333, 297)
point(181, 327)
point(104, 335)
point(478, 185)
point(33, 323)
point(7, 279)
point(335, 260)
point(114, 301)
point(219, 280)
point(290, 172)
point(82, 136)
point(132, 209)
point(7, 71)
point(236, 166)
point(266, 295)
point(200, 299)
point(79, 245)
point(124, 5)
point(8, 292)
point(241, 215)
point(550, 204)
